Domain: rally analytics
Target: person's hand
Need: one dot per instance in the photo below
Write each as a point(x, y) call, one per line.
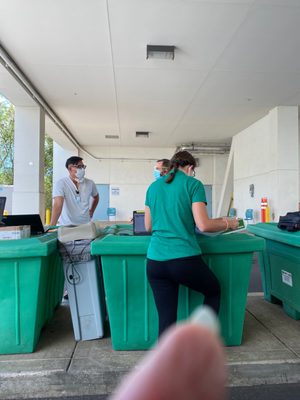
point(188, 363)
point(233, 223)
point(91, 212)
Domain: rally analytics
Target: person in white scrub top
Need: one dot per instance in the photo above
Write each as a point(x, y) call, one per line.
point(75, 197)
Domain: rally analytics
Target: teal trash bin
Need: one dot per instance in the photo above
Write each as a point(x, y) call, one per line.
point(131, 308)
point(31, 286)
point(279, 266)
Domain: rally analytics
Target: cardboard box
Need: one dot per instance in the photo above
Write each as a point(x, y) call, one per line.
point(14, 232)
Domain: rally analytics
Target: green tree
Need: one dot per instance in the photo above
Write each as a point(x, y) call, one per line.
point(48, 171)
point(7, 127)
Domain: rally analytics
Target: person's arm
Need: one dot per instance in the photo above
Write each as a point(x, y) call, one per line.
point(94, 205)
point(148, 220)
point(57, 206)
point(206, 224)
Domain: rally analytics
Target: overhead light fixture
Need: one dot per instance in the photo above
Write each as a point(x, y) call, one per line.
point(160, 52)
point(142, 134)
point(205, 148)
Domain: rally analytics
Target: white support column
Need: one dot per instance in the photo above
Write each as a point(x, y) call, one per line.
point(227, 188)
point(60, 156)
point(286, 187)
point(29, 195)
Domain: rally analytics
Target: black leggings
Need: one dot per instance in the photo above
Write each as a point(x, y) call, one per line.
point(166, 276)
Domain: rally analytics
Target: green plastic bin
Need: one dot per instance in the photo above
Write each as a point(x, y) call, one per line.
point(31, 286)
point(280, 266)
point(55, 284)
point(131, 308)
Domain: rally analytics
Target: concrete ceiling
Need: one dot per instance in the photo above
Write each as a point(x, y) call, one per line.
point(234, 61)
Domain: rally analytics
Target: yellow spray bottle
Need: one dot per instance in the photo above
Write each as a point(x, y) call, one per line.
point(268, 213)
point(48, 216)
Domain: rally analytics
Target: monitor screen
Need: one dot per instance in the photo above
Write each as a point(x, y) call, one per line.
point(2, 206)
point(34, 220)
point(139, 224)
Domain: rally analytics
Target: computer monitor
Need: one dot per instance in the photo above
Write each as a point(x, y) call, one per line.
point(139, 224)
point(2, 206)
point(34, 220)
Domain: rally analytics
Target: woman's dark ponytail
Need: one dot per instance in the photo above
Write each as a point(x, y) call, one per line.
point(171, 175)
point(180, 159)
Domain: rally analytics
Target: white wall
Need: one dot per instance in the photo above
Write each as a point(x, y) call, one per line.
point(131, 171)
point(223, 191)
point(266, 155)
point(130, 177)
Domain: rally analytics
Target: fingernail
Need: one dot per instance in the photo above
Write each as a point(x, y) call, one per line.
point(205, 316)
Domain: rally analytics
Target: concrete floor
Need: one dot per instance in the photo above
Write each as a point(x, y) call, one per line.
point(270, 353)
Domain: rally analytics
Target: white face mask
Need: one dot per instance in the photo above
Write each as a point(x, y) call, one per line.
point(80, 174)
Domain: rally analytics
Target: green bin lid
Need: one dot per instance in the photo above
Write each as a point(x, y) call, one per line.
point(134, 245)
point(233, 243)
point(116, 245)
point(35, 246)
point(271, 231)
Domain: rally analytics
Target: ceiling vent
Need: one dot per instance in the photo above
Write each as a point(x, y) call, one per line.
point(141, 134)
point(112, 136)
point(204, 148)
point(160, 52)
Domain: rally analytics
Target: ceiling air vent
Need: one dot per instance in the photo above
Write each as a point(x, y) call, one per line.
point(111, 136)
point(142, 134)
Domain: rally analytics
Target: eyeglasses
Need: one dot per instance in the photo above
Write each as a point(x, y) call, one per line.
point(80, 166)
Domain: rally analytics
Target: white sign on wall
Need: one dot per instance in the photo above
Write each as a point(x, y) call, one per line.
point(115, 191)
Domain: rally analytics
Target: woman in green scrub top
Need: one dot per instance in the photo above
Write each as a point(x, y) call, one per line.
point(174, 205)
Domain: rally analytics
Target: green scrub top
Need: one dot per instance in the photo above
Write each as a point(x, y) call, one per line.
point(173, 226)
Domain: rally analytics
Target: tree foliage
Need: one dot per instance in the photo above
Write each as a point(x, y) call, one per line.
point(48, 171)
point(7, 128)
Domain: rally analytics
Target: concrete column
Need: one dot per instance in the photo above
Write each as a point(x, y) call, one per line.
point(223, 183)
point(29, 195)
point(287, 159)
point(60, 155)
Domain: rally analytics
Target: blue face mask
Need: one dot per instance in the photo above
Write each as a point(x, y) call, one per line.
point(156, 174)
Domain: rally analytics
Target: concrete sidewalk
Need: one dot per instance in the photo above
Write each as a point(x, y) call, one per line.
point(270, 353)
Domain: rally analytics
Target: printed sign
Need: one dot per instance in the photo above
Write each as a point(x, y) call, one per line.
point(287, 278)
point(115, 191)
